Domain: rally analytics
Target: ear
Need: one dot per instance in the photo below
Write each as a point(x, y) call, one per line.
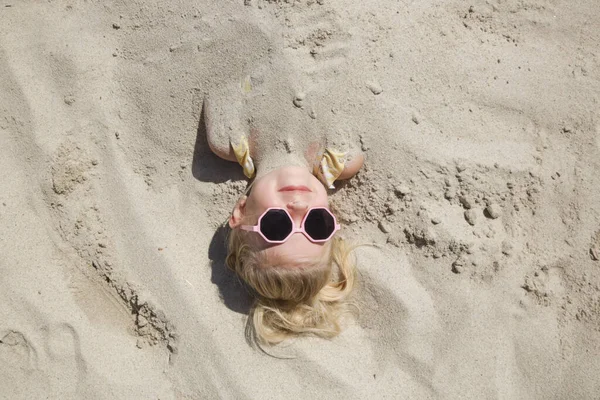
point(238, 213)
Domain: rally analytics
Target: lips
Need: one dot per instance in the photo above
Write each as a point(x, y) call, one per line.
point(295, 188)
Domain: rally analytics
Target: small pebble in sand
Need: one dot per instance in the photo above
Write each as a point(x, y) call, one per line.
point(416, 118)
point(394, 240)
point(458, 266)
point(449, 194)
point(374, 87)
point(470, 248)
point(320, 2)
point(69, 100)
point(493, 210)
point(507, 248)
point(299, 99)
point(312, 113)
point(436, 221)
point(466, 202)
point(460, 167)
point(384, 227)
point(142, 321)
point(401, 190)
point(116, 26)
point(471, 216)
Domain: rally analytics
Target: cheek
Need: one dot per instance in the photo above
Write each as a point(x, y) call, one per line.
point(257, 201)
point(322, 198)
point(261, 197)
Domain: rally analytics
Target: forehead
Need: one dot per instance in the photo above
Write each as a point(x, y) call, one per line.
point(296, 248)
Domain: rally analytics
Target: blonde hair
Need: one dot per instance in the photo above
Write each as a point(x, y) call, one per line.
point(307, 297)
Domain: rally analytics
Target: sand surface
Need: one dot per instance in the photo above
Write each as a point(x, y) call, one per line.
point(480, 194)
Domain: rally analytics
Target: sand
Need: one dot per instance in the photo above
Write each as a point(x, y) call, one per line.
point(479, 201)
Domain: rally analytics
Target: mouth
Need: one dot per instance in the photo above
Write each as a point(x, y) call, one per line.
point(294, 188)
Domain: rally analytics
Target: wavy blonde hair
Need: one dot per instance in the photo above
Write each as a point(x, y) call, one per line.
point(306, 297)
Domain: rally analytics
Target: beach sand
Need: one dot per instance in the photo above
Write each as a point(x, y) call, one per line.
point(478, 205)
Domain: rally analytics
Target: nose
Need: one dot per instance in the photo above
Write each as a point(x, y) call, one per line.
point(297, 206)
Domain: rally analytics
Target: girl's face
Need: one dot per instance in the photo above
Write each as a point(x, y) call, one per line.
point(292, 188)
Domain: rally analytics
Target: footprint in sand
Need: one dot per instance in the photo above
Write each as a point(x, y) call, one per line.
point(64, 360)
point(18, 363)
point(16, 353)
point(32, 369)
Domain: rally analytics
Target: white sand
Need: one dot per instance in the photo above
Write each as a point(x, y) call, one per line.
point(112, 280)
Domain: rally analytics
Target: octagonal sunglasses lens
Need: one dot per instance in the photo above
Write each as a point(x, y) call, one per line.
point(276, 225)
point(319, 224)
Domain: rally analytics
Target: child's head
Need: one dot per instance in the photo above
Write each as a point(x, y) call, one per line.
point(298, 289)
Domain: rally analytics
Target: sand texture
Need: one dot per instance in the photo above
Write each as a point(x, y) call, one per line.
point(479, 199)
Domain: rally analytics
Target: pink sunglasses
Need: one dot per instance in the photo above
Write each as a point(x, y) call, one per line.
point(276, 225)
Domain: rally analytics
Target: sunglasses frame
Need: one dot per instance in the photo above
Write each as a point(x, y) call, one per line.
point(256, 228)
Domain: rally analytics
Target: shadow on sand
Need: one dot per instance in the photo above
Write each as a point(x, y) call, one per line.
point(235, 294)
point(207, 167)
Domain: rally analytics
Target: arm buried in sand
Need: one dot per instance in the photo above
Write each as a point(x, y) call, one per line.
point(332, 166)
point(235, 147)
